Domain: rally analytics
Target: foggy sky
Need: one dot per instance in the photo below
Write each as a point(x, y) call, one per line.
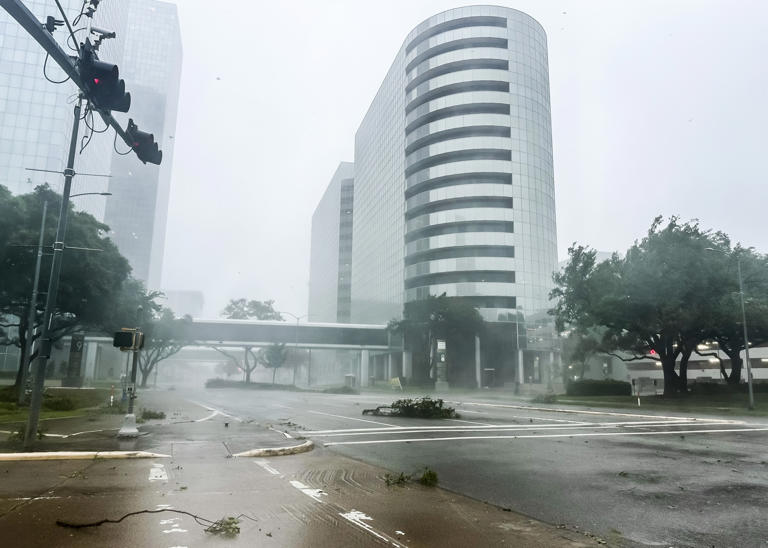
point(658, 107)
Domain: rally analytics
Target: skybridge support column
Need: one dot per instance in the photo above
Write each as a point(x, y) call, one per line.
point(364, 359)
point(407, 364)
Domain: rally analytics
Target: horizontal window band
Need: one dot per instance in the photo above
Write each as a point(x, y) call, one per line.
point(459, 203)
point(459, 156)
point(490, 302)
point(454, 45)
point(458, 133)
point(459, 252)
point(460, 227)
point(456, 66)
point(461, 276)
point(458, 179)
point(452, 89)
point(458, 110)
point(460, 23)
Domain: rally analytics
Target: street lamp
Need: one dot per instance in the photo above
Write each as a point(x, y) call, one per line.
point(743, 323)
point(296, 339)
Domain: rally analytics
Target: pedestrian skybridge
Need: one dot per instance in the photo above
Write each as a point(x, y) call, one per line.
point(302, 335)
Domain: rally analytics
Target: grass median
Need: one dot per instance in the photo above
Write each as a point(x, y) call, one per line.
point(57, 403)
point(714, 404)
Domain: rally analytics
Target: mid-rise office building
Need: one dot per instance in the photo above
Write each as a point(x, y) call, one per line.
point(454, 185)
point(331, 250)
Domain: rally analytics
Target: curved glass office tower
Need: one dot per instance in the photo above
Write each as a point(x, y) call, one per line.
point(454, 184)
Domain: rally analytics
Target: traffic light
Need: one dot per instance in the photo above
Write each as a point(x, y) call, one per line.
point(128, 340)
point(103, 86)
point(143, 144)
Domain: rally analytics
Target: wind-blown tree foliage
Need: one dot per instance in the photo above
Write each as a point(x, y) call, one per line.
point(273, 357)
point(242, 309)
point(655, 303)
point(164, 336)
point(726, 328)
point(90, 280)
point(440, 317)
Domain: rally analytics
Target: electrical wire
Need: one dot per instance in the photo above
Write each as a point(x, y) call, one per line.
point(71, 37)
point(69, 27)
point(76, 20)
point(45, 64)
point(92, 126)
point(114, 145)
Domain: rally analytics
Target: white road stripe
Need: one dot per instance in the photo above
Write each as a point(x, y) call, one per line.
point(265, 465)
point(354, 419)
point(529, 426)
point(534, 428)
point(469, 422)
point(359, 518)
point(310, 492)
point(569, 435)
point(157, 473)
point(572, 411)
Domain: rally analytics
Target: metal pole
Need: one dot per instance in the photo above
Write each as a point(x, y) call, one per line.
point(135, 364)
point(309, 368)
point(44, 348)
point(296, 350)
point(32, 313)
point(746, 338)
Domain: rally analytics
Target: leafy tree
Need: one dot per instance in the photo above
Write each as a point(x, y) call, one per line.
point(233, 365)
point(273, 357)
point(440, 317)
point(164, 336)
point(655, 303)
point(726, 327)
point(242, 309)
point(90, 280)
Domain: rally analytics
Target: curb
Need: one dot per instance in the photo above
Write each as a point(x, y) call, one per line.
point(75, 455)
point(278, 451)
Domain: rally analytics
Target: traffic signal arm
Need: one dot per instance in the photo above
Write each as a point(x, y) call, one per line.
point(29, 22)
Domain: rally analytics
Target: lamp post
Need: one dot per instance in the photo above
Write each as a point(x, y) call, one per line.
point(296, 339)
point(743, 324)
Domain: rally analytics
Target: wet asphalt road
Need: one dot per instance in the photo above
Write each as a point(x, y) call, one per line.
point(634, 478)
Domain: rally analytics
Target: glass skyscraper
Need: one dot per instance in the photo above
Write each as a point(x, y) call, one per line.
point(454, 187)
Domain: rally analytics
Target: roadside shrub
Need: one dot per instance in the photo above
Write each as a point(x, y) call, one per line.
point(545, 398)
point(428, 478)
point(399, 480)
point(598, 388)
point(59, 403)
point(423, 408)
point(341, 390)
point(149, 414)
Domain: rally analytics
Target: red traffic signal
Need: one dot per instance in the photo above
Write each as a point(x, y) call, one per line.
point(143, 144)
point(103, 86)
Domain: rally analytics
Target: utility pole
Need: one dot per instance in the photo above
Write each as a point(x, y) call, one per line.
point(44, 348)
point(32, 313)
point(746, 337)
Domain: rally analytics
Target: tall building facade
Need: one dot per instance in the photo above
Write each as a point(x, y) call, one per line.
point(331, 250)
point(137, 211)
point(454, 185)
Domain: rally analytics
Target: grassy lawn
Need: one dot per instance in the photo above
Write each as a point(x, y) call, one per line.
point(717, 404)
point(57, 403)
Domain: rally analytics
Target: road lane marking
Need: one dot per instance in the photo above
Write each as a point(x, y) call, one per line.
point(470, 422)
point(354, 419)
point(512, 428)
point(532, 436)
point(216, 411)
point(309, 491)
point(265, 465)
point(157, 472)
point(573, 411)
point(359, 519)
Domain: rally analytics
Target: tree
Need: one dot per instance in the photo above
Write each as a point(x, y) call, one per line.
point(726, 327)
point(440, 317)
point(233, 365)
point(90, 280)
point(655, 303)
point(242, 309)
point(273, 357)
point(164, 336)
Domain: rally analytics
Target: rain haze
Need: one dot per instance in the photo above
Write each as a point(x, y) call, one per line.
point(657, 108)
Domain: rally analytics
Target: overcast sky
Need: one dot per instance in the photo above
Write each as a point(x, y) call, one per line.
point(658, 107)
